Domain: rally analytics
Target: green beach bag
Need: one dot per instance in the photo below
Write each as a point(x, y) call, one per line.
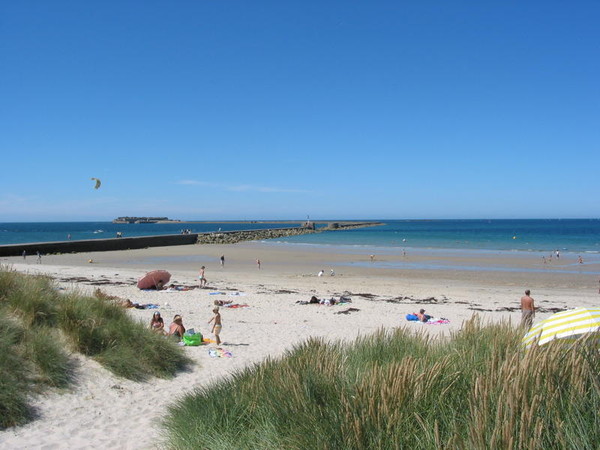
point(192, 339)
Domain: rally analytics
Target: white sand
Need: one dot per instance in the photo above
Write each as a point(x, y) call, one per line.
point(104, 411)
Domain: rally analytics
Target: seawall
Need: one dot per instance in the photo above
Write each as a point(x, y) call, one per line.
point(98, 245)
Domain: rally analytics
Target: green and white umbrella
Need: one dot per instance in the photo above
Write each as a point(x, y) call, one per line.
point(566, 325)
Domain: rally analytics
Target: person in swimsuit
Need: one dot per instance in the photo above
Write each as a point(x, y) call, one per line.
point(177, 329)
point(527, 310)
point(201, 277)
point(157, 323)
point(422, 316)
point(216, 329)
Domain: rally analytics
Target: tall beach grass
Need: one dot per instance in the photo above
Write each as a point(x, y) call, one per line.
point(397, 389)
point(40, 327)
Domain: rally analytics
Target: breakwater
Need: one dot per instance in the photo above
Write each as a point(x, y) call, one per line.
point(231, 237)
point(130, 243)
point(98, 245)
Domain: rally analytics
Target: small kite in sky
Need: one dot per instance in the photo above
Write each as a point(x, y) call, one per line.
point(98, 182)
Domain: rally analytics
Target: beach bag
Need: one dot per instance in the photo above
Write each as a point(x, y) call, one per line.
point(192, 339)
point(411, 317)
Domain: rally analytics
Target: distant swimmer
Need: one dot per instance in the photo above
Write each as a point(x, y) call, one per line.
point(557, 254)
point(544, 259)
point(580, 260)
point(372, 257)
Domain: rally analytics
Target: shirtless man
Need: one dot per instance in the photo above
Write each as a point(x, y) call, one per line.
point(527, 310)
point(422, 316)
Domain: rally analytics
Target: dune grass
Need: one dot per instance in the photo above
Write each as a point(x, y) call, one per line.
point(397, 389)
point(40, 327)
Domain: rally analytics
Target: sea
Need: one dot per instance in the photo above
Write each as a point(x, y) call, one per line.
point(520, 235)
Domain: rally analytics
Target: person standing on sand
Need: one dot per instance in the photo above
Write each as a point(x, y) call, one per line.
point(222, 260)
point(216, 329)
point(527, 310)
point(202, 278)
point(24, 255)
point(39, 255)
point(258, 263)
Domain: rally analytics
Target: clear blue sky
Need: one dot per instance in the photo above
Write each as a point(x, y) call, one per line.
point(224, 109)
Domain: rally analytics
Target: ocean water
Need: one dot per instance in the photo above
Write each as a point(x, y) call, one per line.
point(18, 233)
point(572, 235)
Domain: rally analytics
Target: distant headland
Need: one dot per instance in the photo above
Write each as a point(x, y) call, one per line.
point(306, 224)
point(128, 219)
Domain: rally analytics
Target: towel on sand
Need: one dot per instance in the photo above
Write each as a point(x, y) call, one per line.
point(219, 353)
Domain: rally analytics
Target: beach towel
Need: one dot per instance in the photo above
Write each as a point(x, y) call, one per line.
point(216, 293)
point(441, 321)
point(219, 353)
point(236, 305)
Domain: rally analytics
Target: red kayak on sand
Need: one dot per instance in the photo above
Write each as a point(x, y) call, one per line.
point(154, 280)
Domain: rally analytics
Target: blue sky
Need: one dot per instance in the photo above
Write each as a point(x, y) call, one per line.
point(274, 109)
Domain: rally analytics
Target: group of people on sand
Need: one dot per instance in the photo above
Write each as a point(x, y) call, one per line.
point(527, 311)
point(177, 329)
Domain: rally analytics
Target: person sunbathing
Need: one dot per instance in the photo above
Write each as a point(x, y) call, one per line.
point(223, 302)
point(157, 323)
point(422, 316)
point(177, 329)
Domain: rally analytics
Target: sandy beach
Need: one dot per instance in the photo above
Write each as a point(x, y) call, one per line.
point(104, 411)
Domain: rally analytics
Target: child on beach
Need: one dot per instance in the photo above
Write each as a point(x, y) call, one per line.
point(202, 278)
point(216, 329)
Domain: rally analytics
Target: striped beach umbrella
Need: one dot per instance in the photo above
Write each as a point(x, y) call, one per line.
point(567, 325)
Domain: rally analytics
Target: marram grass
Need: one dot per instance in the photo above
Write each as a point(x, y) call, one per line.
point(396, 390)
point(40, 327)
